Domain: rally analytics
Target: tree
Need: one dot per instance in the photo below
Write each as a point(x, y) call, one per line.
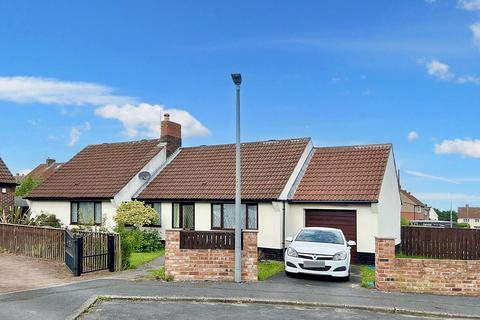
point(27, 185)
point(135, 213)
point(445, 215)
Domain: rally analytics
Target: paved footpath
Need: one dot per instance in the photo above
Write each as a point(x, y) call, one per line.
point(61, 302)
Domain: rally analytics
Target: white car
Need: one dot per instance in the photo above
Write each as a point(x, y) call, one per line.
point(319, 251)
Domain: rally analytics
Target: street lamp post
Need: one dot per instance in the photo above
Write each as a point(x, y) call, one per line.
point(237, 80)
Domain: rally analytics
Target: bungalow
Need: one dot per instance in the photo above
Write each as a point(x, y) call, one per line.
point(470, 215)
point(7, 188)
point(286, 185)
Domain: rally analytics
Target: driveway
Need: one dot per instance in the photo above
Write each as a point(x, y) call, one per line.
point(318, 281)
point(24, 273)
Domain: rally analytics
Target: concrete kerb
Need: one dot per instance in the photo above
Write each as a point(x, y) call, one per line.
point(92, 301)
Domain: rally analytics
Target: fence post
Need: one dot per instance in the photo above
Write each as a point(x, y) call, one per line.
point(79, 254)
point(111, 253)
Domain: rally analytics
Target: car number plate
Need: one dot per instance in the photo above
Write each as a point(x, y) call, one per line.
point(314, 264)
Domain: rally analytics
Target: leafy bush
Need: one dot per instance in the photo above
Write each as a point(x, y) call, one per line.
point(160, 274)
point(463, 225)
point(46, 219)
point(27, 185)
point(127, 246)
point(404, 221)
point(136, 214)
point(151, 241)
point(17, 216)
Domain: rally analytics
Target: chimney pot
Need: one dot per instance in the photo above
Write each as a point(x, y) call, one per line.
point(50, 161)
point(166, 117)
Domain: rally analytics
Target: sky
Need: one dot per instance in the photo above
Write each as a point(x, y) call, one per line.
point(340, 72)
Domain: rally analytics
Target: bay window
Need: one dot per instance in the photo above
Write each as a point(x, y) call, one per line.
point(223, 216)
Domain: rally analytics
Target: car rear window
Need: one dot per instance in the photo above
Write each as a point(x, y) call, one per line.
point(321, 236)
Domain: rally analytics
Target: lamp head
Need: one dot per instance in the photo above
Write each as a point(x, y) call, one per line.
point(237, 78)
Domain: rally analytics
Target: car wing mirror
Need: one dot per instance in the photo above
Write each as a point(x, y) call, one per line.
point(351, 243)
point(289, 239)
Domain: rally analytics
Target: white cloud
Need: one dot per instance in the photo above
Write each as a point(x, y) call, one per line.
point(476, 32)
point(76, 132)
point(470, 5)
point(143, 120)
point(442, 72)
point(430, 177)
point(439, 70)
point(53, 91)
point(429, 196)
point(412, 136)
point(465, 147)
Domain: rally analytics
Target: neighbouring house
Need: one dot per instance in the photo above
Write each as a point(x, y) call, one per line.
point(470, 215)
point(46, 169)
point(286, 185)
point(7, 188)
point(412, 208)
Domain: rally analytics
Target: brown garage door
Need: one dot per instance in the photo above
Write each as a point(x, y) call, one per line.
point(346, 220)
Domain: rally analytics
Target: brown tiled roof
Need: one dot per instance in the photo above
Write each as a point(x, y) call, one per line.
point(5, 174)
point(98, 171)
point(44, 171)
point(473, 212)
point(344, 174)
point(208, 172)
point(413, 200)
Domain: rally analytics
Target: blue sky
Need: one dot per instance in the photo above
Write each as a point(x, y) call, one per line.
point(341, 72)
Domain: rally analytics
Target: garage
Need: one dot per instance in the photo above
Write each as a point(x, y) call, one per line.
point(346, 220)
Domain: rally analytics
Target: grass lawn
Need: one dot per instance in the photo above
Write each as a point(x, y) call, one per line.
point(367, 273)
point(266, 269)
point(139, 258)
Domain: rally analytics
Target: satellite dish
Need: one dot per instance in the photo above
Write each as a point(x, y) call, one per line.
point(144, 175)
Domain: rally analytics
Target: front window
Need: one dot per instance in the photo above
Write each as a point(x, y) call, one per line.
point(223, 216)
point(158, 207)
point(321, 236)
point(183, 216)
point(86, 212)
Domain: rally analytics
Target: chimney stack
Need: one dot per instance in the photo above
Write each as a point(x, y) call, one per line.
point(50, 161)
point(171, 134)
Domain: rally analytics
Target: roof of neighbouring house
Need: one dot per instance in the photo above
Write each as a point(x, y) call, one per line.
point(6, 176)
point(344, 174)
point(411, 198)
point(473, 212)
point(98, 171)
point(208, 172)
point(44, 171)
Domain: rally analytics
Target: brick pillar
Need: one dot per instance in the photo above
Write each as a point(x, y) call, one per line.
point(172, 249)
point(384, 263)
point(250, 256)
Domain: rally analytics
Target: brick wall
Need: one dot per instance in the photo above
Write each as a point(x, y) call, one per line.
point(437, 276)
point(209, 264)
point(7, 199)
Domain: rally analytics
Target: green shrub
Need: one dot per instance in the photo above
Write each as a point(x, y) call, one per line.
point(151, 241)
point(160, 274)
point(136, 214)
point(46, 219)
point(127, 247)
point(404, 221)
point(463, 225)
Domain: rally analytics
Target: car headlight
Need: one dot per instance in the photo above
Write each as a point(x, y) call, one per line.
point(342, 255)
point(292, 252)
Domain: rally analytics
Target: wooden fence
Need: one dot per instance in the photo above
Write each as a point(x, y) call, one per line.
point(207, 240)
point(441, 243)
point(49, 243)
point(37, 242)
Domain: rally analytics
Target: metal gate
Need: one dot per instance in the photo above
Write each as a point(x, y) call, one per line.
point(89, 252)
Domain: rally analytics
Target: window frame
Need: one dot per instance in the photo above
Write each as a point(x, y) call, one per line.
point(95, 212)
point(180, 212)
point(247, 204)
point(151, 205)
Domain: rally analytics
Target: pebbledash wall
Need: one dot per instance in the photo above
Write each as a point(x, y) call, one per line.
point(437, 276)
point(209, 264)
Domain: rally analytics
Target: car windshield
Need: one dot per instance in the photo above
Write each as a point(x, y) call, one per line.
point(322, 236)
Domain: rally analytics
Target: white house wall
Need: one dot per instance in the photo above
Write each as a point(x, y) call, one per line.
point(389, 204)
point(61, 209)
point(366, 222)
